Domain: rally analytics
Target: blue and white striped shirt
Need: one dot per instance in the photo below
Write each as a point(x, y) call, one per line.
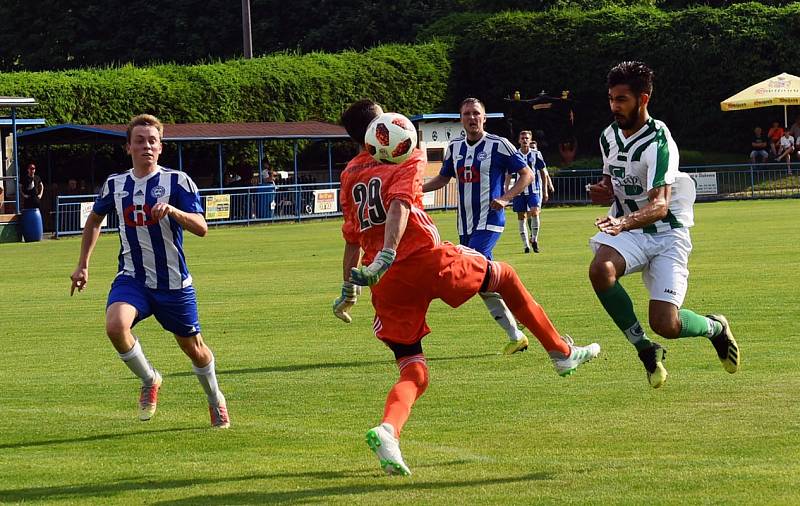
point(480, 169)
point(535, 160)
point(150, 251)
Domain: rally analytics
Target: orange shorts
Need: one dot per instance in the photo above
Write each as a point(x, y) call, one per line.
point(401, 298)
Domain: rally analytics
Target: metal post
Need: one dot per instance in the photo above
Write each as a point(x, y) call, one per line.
point(15, 154)
point(296, 184)
point(221, 168)
point(246, 31)
point(58, 214)
point(752, 181)
point(330, 166)
point(260, 161)
point(180, 157)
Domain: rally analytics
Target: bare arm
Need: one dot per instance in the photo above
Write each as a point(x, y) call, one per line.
point(396, 221)
point(549, 181)
point(350, 258)
point(524, 179)
point(656, 209)
point(601, 192)
point(545, 186)
point(193, 222)
point(394, 228)
point(89, 237)
point(435, 183)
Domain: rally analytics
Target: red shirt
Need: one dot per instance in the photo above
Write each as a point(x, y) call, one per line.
point(368, 188)
point(775, 134)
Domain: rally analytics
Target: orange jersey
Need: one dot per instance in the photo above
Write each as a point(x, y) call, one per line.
point(368, 188)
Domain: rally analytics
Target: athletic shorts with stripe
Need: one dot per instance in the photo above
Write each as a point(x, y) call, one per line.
point(401, 298)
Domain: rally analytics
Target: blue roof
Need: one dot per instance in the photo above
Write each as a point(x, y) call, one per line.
point(451, 115)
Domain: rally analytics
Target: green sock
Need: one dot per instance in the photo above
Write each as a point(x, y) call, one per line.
point(619, 306)
point(693, 325)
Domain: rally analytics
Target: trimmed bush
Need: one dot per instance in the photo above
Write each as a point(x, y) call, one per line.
point(701, 56)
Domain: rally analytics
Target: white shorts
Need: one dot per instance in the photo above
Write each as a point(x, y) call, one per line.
point(662, 258)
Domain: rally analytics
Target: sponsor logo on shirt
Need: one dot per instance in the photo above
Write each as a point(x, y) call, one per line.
point(121, 194)
point(138, 215)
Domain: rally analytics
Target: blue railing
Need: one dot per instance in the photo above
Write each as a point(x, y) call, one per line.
point(248, 204)
point(258, 204)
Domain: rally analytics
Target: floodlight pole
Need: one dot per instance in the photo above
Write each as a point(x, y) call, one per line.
point(246, 31)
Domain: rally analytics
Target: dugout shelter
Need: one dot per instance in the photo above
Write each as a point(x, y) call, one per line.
point(10, 122)
point(182, 133)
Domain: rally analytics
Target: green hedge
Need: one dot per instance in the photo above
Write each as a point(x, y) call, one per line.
point(283, 87)
point(701, 56)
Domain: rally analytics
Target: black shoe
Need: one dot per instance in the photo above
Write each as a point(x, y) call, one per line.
point(535, 245)
point(653, 357)
point(725, 344)
point(527, 249)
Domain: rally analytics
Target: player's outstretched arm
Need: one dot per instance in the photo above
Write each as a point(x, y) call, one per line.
point(91, 231)
point(350, 292)
point(435, 183)
point(396, 221)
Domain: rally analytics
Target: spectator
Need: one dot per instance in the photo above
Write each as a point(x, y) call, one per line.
point(786, 148)
point(3, 209)
point(774, 134)
point(795, 128)
point(83, 188)
point(31, 188)
point(759, 146)
point(232, 178)
point(72, 187)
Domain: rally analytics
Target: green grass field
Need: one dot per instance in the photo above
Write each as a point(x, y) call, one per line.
point(303, 387)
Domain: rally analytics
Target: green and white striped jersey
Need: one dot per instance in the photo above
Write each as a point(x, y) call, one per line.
point(647, 160)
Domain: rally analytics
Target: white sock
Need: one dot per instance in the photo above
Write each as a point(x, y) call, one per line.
point(138, 363)
point(535, 227)
point(207, 377)
point(523, 232)
point(501, 314)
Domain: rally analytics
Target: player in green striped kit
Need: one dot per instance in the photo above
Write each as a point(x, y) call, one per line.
point(647, 227)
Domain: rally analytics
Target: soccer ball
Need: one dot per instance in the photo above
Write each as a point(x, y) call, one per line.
point(391, 138)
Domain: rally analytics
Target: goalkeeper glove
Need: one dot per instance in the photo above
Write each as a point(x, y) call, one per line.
point(342, 304)
point(370, 274)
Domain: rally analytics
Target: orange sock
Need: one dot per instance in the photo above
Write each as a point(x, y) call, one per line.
point(505, 281)
point(411, 385)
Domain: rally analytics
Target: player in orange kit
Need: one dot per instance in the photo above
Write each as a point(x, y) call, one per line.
point(407, 266)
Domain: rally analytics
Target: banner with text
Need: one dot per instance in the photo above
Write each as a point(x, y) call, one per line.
point(705, 182)
point(86, 210)
point(218, 207)
point(325, 201)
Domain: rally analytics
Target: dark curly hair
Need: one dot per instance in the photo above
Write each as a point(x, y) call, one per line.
point(357, 118)
point(637, 75)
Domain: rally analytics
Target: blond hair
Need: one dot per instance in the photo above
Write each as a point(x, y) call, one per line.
point(145, 120)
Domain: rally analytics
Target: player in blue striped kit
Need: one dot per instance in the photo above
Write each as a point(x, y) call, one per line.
point(154, 205)
point(480, 162)
point(528, 204)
